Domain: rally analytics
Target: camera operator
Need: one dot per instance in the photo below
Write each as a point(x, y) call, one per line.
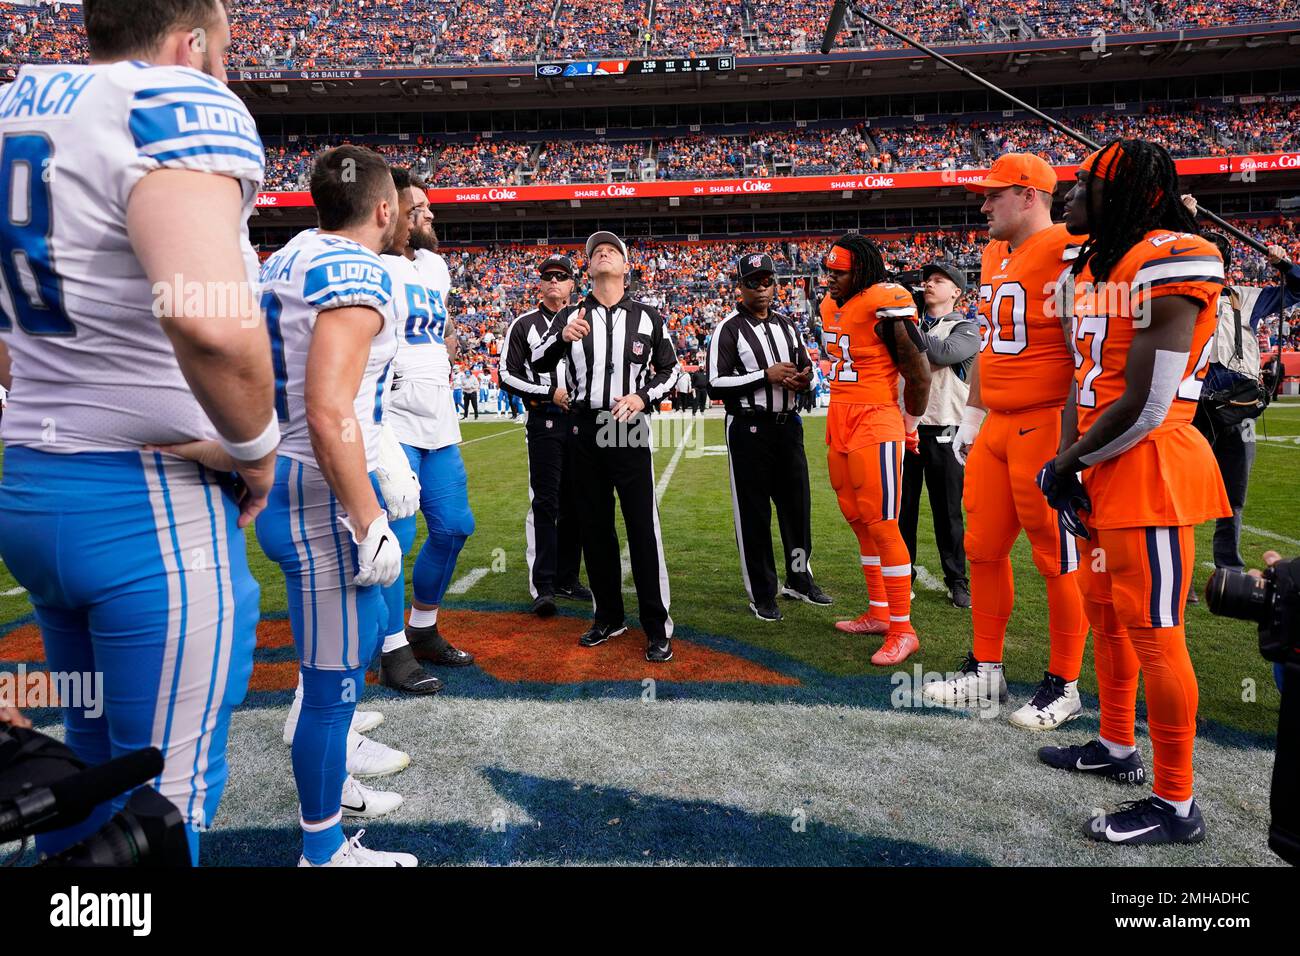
point(1271, 598)
point(1235, 392)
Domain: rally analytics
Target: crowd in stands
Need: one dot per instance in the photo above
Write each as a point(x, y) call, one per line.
point(1203, 130)
point(304, 34)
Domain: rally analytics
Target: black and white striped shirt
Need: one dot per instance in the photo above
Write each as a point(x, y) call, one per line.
point(627, 351)
point(741, 351)
point(518, 376)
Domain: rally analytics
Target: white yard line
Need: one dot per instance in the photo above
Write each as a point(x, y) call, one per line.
point(928, 580)
point(1272, 535)
point(461, 585)
point(506, 431)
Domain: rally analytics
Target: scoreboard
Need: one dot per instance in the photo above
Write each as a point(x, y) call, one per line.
point(658, 67)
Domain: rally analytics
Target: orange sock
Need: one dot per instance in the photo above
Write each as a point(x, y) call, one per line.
point(992, 591)
point(1172, 695)
point(1117, 673)
point(1067, 627)
point(896, 569)
point(871, 572)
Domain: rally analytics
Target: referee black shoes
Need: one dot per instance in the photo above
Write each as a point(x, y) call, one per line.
point(659, 652)
point(600, 633)
point(544, 606)
point(573, 592)
point(767, 611)
point(813, 594)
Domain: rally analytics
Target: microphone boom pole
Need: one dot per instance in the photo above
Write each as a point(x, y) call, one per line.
point(1050, 121)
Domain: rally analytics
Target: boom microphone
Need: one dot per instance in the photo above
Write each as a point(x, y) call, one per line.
point(71, 799)
point(837, 17)
point(834, 24)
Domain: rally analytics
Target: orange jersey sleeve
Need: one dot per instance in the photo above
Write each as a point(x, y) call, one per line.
point(1024, 361)
point(862, 370)
point(1170, 477)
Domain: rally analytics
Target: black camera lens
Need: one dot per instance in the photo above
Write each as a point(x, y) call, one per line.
point(1243, 596)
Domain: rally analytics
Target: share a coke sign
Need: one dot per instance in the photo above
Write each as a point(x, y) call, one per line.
point(934, 179)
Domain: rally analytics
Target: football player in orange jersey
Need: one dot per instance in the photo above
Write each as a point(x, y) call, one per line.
point(1012, 420)
point(870, 334)
point(1144, 310)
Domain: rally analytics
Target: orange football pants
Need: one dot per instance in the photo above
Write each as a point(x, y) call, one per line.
point(1134, 583)
point(1002, 498)
point(868, 483)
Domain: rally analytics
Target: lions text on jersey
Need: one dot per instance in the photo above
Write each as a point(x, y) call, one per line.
point(133, 560)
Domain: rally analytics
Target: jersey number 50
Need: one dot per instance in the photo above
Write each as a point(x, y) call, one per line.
point(994, 327)
point(26, 225)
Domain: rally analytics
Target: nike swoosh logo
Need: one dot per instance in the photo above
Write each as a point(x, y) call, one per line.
point(1080, 765)
point(1124, 837)
point(1026, 431)
point(348, 806)
point(382, 542)
point(1179, 252)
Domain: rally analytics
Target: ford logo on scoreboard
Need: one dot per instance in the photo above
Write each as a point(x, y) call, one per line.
point(664, 67)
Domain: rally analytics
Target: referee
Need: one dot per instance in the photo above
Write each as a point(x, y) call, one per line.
point(551, 529)
point(759, 367)
point(620, 364)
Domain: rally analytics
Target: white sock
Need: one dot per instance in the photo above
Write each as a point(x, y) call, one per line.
point(393, 641)
point(322, 824)
point(1118, 751)
point(1182, 807)
point(423, 618)
point(297, 694)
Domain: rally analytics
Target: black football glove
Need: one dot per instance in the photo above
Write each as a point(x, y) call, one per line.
point(1066, 494)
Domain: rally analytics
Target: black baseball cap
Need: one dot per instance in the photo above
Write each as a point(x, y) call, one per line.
point(753, 264)
point(949, 269)
point(556, 263)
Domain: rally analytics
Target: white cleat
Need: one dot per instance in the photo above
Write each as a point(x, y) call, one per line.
point(974, 685)
point(1055, 702)
point(370, 758)
point(360, 801)
point(363, 721)
point(352, 853)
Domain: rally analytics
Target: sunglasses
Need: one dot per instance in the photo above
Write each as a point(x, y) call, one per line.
point(556, 277)
point(753, 283)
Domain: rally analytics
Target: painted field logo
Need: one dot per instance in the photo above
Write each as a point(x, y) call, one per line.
point(76, 909)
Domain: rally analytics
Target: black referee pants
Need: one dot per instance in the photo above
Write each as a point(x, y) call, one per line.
point(471, 398)
point(607, 459)
point(938, 468)
point(551, 528)
point(768, 465)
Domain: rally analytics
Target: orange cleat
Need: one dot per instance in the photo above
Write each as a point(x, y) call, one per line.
point(866, 624)
point(898, 647)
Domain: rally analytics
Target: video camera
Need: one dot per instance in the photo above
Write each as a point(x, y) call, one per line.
point(1272, 601)
point(43, 787)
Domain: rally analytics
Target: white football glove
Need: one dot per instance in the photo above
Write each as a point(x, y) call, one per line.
point(964, 440)
point(397, 482)
point(379, 556)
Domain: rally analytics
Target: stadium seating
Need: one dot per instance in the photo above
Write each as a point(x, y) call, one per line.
point(377, 33)
point(1202, 130)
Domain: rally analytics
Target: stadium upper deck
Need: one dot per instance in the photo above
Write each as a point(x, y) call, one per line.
point(305, 34)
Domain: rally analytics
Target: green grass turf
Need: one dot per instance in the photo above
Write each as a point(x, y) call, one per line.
point(707, 593)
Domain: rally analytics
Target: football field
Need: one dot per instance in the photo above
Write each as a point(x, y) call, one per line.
point(759, 743)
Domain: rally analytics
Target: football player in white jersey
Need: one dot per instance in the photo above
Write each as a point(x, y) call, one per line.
point(328, 304)
point(423, 418)
point(124, 259)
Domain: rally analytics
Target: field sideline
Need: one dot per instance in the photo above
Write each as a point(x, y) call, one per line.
point(760, 743)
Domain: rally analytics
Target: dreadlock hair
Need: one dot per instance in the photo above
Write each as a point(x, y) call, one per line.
point(1140, 195)
point(868, 265)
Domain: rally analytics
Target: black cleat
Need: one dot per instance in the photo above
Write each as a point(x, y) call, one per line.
point(768, 611)
point(428, 645)
point(959, 594)
point(813, 595)
point(1094, 758)
point(659, 652)
point(544, 606)
point(600, 633)
point(1144, 822)
point(400, 670)
point(574, 592)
